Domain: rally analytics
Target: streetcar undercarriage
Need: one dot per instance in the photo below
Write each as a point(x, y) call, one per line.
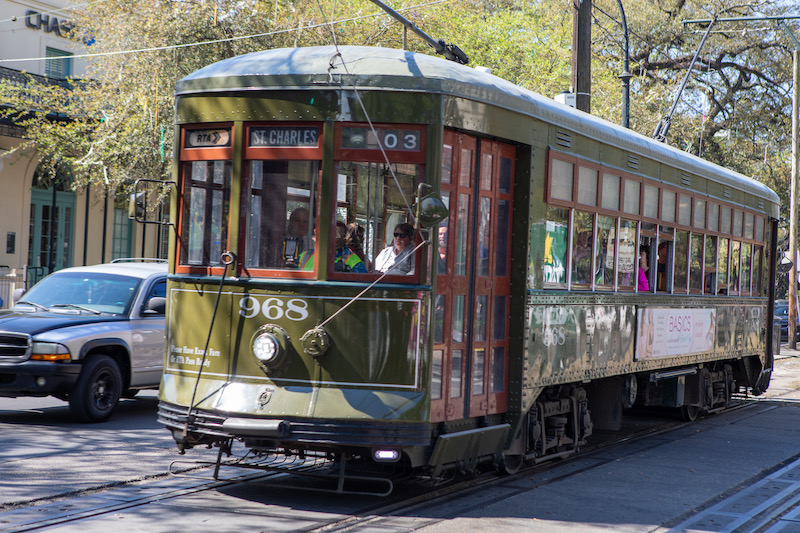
point(559, 422)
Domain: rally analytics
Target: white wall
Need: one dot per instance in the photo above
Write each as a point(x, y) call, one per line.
point(18, 40)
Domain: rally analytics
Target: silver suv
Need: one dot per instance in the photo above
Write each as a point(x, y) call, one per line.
point(87, 335)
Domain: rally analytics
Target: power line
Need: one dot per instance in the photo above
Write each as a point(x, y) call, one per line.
point(217, 41)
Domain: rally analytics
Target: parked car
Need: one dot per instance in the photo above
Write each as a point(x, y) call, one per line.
point(87, 335)
point(782, 314)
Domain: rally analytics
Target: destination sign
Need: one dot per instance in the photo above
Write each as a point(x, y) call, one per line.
point(363, 138)
point(284, 137)
point(207, 138)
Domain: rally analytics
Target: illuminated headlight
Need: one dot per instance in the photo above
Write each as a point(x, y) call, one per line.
point(270, 344)
point(49, 351)
point(386, 456)
point(266, 348)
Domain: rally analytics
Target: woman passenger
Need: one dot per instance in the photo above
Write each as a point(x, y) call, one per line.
point(397, 258)
point(643, 285)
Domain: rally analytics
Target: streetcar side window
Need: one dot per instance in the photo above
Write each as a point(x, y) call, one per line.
point(627, 253)
point(681, 246)
point(710, 269)
point(556, 243)
point(757, 258)
point(582, 241)
point(663, 267)
point(604, 258)
point(602, 226)
point(722, 267)
point(746, 268)
point(734, 277)
point(696, 255)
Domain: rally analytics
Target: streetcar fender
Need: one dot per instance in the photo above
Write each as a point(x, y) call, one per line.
point(467, 446)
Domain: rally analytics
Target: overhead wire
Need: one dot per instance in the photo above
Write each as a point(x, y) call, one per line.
point(224, 40)
point(386, 159)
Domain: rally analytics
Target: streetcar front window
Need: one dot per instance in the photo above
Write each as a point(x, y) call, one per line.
point(205, 212)
point(373, 203)
point(280, 214)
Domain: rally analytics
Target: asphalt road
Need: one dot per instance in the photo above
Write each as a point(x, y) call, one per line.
point(44, 453)
point(737, 471)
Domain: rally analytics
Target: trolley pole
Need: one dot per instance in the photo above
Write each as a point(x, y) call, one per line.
point(781, 21)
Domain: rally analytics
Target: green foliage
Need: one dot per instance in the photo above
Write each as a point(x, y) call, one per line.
point(119, 127)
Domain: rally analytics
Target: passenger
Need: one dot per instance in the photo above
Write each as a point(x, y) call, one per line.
point(644, 286)
point(663, 252)
point(345, 259)
point(297, 239)
point(442, 255)
point(397, 258)
point(354, 239)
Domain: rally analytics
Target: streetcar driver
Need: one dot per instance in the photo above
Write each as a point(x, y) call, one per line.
point(297, 239)
point(397, 258)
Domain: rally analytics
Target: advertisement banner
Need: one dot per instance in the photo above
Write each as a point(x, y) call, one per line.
point(672, 332)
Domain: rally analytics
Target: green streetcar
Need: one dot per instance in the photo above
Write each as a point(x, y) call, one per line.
point(402, 264)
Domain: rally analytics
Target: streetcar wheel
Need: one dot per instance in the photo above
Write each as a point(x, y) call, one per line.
point(690, 412)
point(97, 391)
point(511, 464)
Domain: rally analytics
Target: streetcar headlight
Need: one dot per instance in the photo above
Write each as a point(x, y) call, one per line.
point(266, 348)
point(270, 345)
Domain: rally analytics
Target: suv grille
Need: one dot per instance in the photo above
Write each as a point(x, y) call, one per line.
point(14, 345)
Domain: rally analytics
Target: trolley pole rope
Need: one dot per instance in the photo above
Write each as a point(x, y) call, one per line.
point(227, 258)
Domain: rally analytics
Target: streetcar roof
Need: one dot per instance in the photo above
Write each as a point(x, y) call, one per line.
point(376, 68)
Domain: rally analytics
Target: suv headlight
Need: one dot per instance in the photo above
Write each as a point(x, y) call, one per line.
point(50, 351)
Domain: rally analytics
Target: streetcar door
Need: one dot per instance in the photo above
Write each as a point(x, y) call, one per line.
point(470, 362)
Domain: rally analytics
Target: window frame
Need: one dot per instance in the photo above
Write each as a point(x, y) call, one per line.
point(198, 154)
point(697, 222)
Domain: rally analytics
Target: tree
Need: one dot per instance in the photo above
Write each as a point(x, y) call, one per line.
point(734, 110)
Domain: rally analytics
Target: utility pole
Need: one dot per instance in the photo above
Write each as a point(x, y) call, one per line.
point(582, 54)
point(792, 330)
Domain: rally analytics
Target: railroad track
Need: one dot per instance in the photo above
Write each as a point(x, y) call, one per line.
point(409, 499)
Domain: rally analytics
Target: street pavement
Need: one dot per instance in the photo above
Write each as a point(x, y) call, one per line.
point(737, 471)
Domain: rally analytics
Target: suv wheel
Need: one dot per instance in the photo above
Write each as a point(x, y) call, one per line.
point(98, 390)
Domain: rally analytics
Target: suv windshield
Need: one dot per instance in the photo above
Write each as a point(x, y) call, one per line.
point(105, 293)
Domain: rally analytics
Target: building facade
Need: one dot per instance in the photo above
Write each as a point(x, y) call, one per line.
point(49, 226)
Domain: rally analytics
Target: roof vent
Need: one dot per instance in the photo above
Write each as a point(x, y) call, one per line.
point(633, 162)
point(563, 139)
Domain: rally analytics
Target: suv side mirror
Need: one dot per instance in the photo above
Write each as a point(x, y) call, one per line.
point(17, 294)
point(157, 305)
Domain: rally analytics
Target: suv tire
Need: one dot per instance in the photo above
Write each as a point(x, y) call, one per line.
point(97, 391)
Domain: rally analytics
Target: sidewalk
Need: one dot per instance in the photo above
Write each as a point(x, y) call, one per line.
point(785, 382)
